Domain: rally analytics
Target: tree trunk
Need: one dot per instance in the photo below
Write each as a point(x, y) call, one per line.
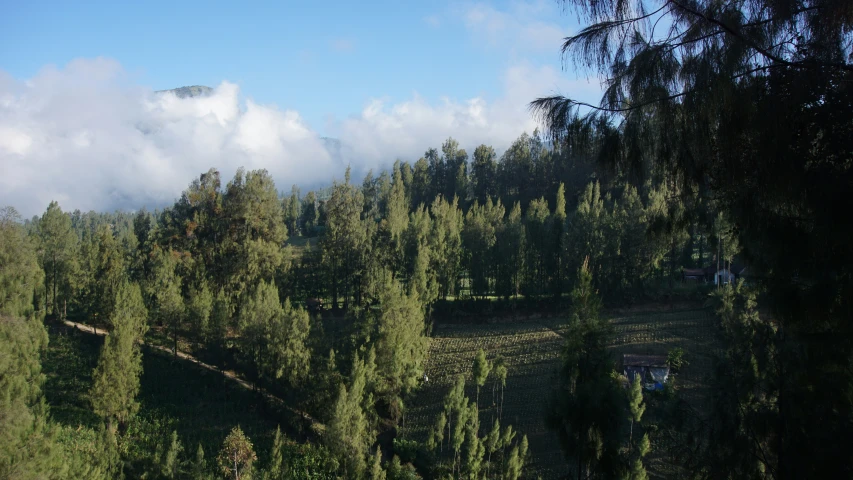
point(54, 284)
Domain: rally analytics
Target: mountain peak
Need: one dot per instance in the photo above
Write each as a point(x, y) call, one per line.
point(190, 91)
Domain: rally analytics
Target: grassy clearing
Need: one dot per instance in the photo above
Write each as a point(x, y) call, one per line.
point(532, 351)
point(175, 395)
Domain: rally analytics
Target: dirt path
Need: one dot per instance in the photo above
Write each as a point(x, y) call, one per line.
point(185, 356)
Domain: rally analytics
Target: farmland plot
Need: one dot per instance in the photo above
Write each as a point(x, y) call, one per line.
point(532, 351)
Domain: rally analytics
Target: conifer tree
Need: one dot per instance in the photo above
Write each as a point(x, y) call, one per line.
point(116, 378)
point(585, 410)
point(28, 447)
point(198, 469)
point(558, 232)
point(253, 244)
point(402, 344)
point(536, 226)
point(445, 242)
point(500, 372)
point(484, 173)
point(480, 370)
point(19, 267)
point(277, 469)
point(376, 471)
point(165, 291)
point(108, 273)
point(237, 455)
point(171, 465)
point(198, 307)
point(511, 251)
point(636, 407)
point(475, 448)
point(58, 255)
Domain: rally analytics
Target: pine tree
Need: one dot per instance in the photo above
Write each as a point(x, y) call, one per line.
point(165, 290)
point(345, 240)
point(585, 409)
point(445, 240)
point(376, 471)
point(347, 435)
point(484, 173)
point(500, 372)
point(558, 232)
point(398, 218)
point(198, 307)
point(198, 469)
point(237, 456)
point(277, 469)
point(291, 353)
point(28, 448)
point(253, 245)
point(510, 254)
point(107, 274)
point(474, 447)
point(116, 378)
point(480, 369)
point(257, 322)
point(767, 73)
point(402, 344)
point(171, 466)
point(636, 407)
point(58, 255)
point(19, 268)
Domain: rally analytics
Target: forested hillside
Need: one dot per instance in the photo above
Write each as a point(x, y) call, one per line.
point(255, 330)
point(326, 304)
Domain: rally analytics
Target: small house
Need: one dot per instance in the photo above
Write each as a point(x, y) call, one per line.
point(652, 370)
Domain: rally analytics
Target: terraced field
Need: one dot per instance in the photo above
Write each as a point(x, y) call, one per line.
point(532, 352)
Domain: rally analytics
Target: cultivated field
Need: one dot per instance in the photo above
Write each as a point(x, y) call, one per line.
point(532, 349)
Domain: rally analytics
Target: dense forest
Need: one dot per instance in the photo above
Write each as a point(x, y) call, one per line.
point(232, 273)
point(722, 146)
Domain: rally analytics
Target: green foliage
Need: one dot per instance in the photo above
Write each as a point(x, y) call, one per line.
point(171, 466)
point(402, 344)
point(480, 370)
point(19, 268)
point(58, 256)
point(164, 289)
point(400, 471)
point(675, 359)
point(587, 399)
point(345, 241)
point(376, 470)
point(27, 445)
point(237, 456)
point(116, 378)
point(106, 272)
point(275, 336)
point(199, 468)
point(253, 241)
point(349, 434)
point(277, 468)
point(198, 307)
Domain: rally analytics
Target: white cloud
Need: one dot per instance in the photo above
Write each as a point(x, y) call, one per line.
point(521, 28)
point(86, 137)
point(406, 129)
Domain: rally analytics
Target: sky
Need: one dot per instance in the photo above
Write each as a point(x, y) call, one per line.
point(80, 124)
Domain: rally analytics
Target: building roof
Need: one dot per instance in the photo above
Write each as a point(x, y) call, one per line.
point(644, 360)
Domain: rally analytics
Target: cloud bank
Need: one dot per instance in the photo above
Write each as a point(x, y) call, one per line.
point(87, 136)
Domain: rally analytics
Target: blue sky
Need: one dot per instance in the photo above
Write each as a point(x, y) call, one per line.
point(319, 58)
point(392, 78)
